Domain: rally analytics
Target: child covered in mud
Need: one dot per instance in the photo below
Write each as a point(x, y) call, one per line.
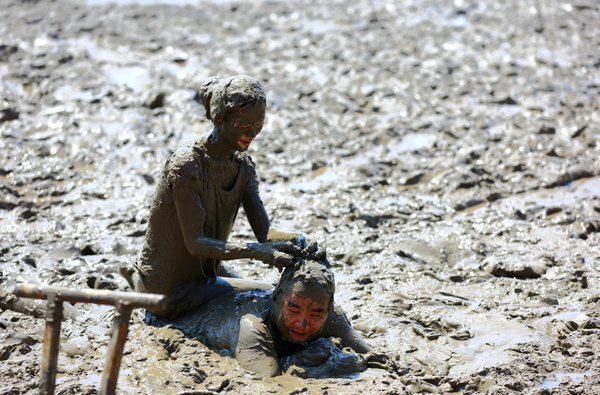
point(260, 327)
point(203, 185)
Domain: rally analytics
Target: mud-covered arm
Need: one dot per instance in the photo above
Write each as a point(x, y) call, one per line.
point(191, 217)
point(337, 325)
point(255, 211)
point(257, 215)
point(255, 349)
point(259, 220)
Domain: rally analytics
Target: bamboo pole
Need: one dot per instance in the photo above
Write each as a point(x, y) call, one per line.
point(118, 335)
point(54, 316)
point(98, 296)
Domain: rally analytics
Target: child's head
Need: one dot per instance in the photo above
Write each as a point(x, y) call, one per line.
point(302, 300)
point(224, 96)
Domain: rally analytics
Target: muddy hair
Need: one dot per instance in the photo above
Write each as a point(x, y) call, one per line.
point(220, 96)
point(308, 272)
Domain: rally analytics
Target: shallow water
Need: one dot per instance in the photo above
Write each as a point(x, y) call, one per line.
point(564, 377)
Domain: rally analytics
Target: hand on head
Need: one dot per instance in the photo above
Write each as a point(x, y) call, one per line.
point(311, 249)
point(278, 254)
point(305, 247)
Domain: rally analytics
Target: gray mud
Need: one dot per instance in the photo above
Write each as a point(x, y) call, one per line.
point(446, 153)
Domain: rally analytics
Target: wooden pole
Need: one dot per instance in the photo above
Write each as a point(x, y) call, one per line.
point(54, 316)
point(118, 335)
point(98, 296)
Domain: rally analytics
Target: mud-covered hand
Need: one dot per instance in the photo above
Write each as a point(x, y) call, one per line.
point(310, 248)
point(278, 254)
point(383, 361)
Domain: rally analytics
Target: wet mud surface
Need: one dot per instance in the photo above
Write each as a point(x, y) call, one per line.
point(445, 153)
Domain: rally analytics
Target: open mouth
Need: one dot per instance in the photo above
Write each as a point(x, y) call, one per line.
point(298, 335)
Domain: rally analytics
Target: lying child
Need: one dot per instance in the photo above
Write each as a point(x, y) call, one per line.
point(261, 326)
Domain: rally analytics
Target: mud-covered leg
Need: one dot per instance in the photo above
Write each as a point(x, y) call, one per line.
point(337, 325)
point(228, 271)
point(188, 297)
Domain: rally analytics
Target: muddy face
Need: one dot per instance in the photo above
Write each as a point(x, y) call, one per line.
point(302, 301)
point(303, 315)
point(241, 127)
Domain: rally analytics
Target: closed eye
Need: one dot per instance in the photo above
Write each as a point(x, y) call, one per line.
point(249, 125)
point(293, 307)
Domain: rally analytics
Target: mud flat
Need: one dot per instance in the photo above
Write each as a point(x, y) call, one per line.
point(446, 153)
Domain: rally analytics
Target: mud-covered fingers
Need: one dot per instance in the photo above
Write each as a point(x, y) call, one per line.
point(271, 253)
point(299, 241)
point(296, 371)
point(287, 247)
point(377, 360)
point(319, 254)
point(314, 251)
point(310, 246)
point(386, 362)
point(281, 260)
